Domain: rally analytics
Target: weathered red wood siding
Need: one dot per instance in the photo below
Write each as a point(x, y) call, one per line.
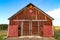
point(26, 28)
point(48, 31)
point(27, 15)
point(13, 31)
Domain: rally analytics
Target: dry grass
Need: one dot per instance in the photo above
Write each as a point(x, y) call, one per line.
point(56, 27)
point(3, 34)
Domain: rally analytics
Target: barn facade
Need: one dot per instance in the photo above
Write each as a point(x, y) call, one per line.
point(30, 21)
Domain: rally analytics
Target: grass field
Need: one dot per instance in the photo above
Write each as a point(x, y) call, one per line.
point(3, 34)
point(57, 33)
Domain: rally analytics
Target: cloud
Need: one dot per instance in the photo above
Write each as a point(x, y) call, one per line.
point(56, 15)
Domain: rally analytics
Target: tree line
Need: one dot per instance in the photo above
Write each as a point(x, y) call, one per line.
point(3, 26)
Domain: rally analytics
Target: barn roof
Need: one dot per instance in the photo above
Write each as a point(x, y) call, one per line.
point(35, 7)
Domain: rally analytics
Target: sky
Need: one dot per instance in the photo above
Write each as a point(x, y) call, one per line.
point(10, 7)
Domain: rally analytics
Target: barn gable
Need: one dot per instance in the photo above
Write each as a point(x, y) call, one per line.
point(29, 6)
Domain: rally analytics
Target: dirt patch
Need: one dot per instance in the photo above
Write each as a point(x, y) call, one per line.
point(31, 38)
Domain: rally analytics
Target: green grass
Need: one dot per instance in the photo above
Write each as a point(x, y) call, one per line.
point(3, 34)
point(57, 34)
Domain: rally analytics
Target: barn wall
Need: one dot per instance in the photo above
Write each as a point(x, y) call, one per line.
point(48, 31)
point(34, 15)
point(13, 31)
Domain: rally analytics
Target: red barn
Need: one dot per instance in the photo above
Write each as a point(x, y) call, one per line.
point(30, 21)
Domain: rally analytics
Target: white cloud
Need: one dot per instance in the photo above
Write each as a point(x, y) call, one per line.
point(56, 15)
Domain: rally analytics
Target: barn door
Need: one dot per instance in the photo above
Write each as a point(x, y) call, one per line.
point(34, 28)
point(25, 28)
point(47, 31)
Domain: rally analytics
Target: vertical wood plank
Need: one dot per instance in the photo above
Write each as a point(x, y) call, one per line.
point(38, 27)
point(36, 15)
point(45, 18)
point(21, 28)
point(31, 27)
point(30, 6)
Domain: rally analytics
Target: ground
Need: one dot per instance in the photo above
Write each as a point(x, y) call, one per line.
point(57, 33)
point(31, 38)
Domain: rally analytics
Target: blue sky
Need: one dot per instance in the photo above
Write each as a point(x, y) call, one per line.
point(10, 7)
